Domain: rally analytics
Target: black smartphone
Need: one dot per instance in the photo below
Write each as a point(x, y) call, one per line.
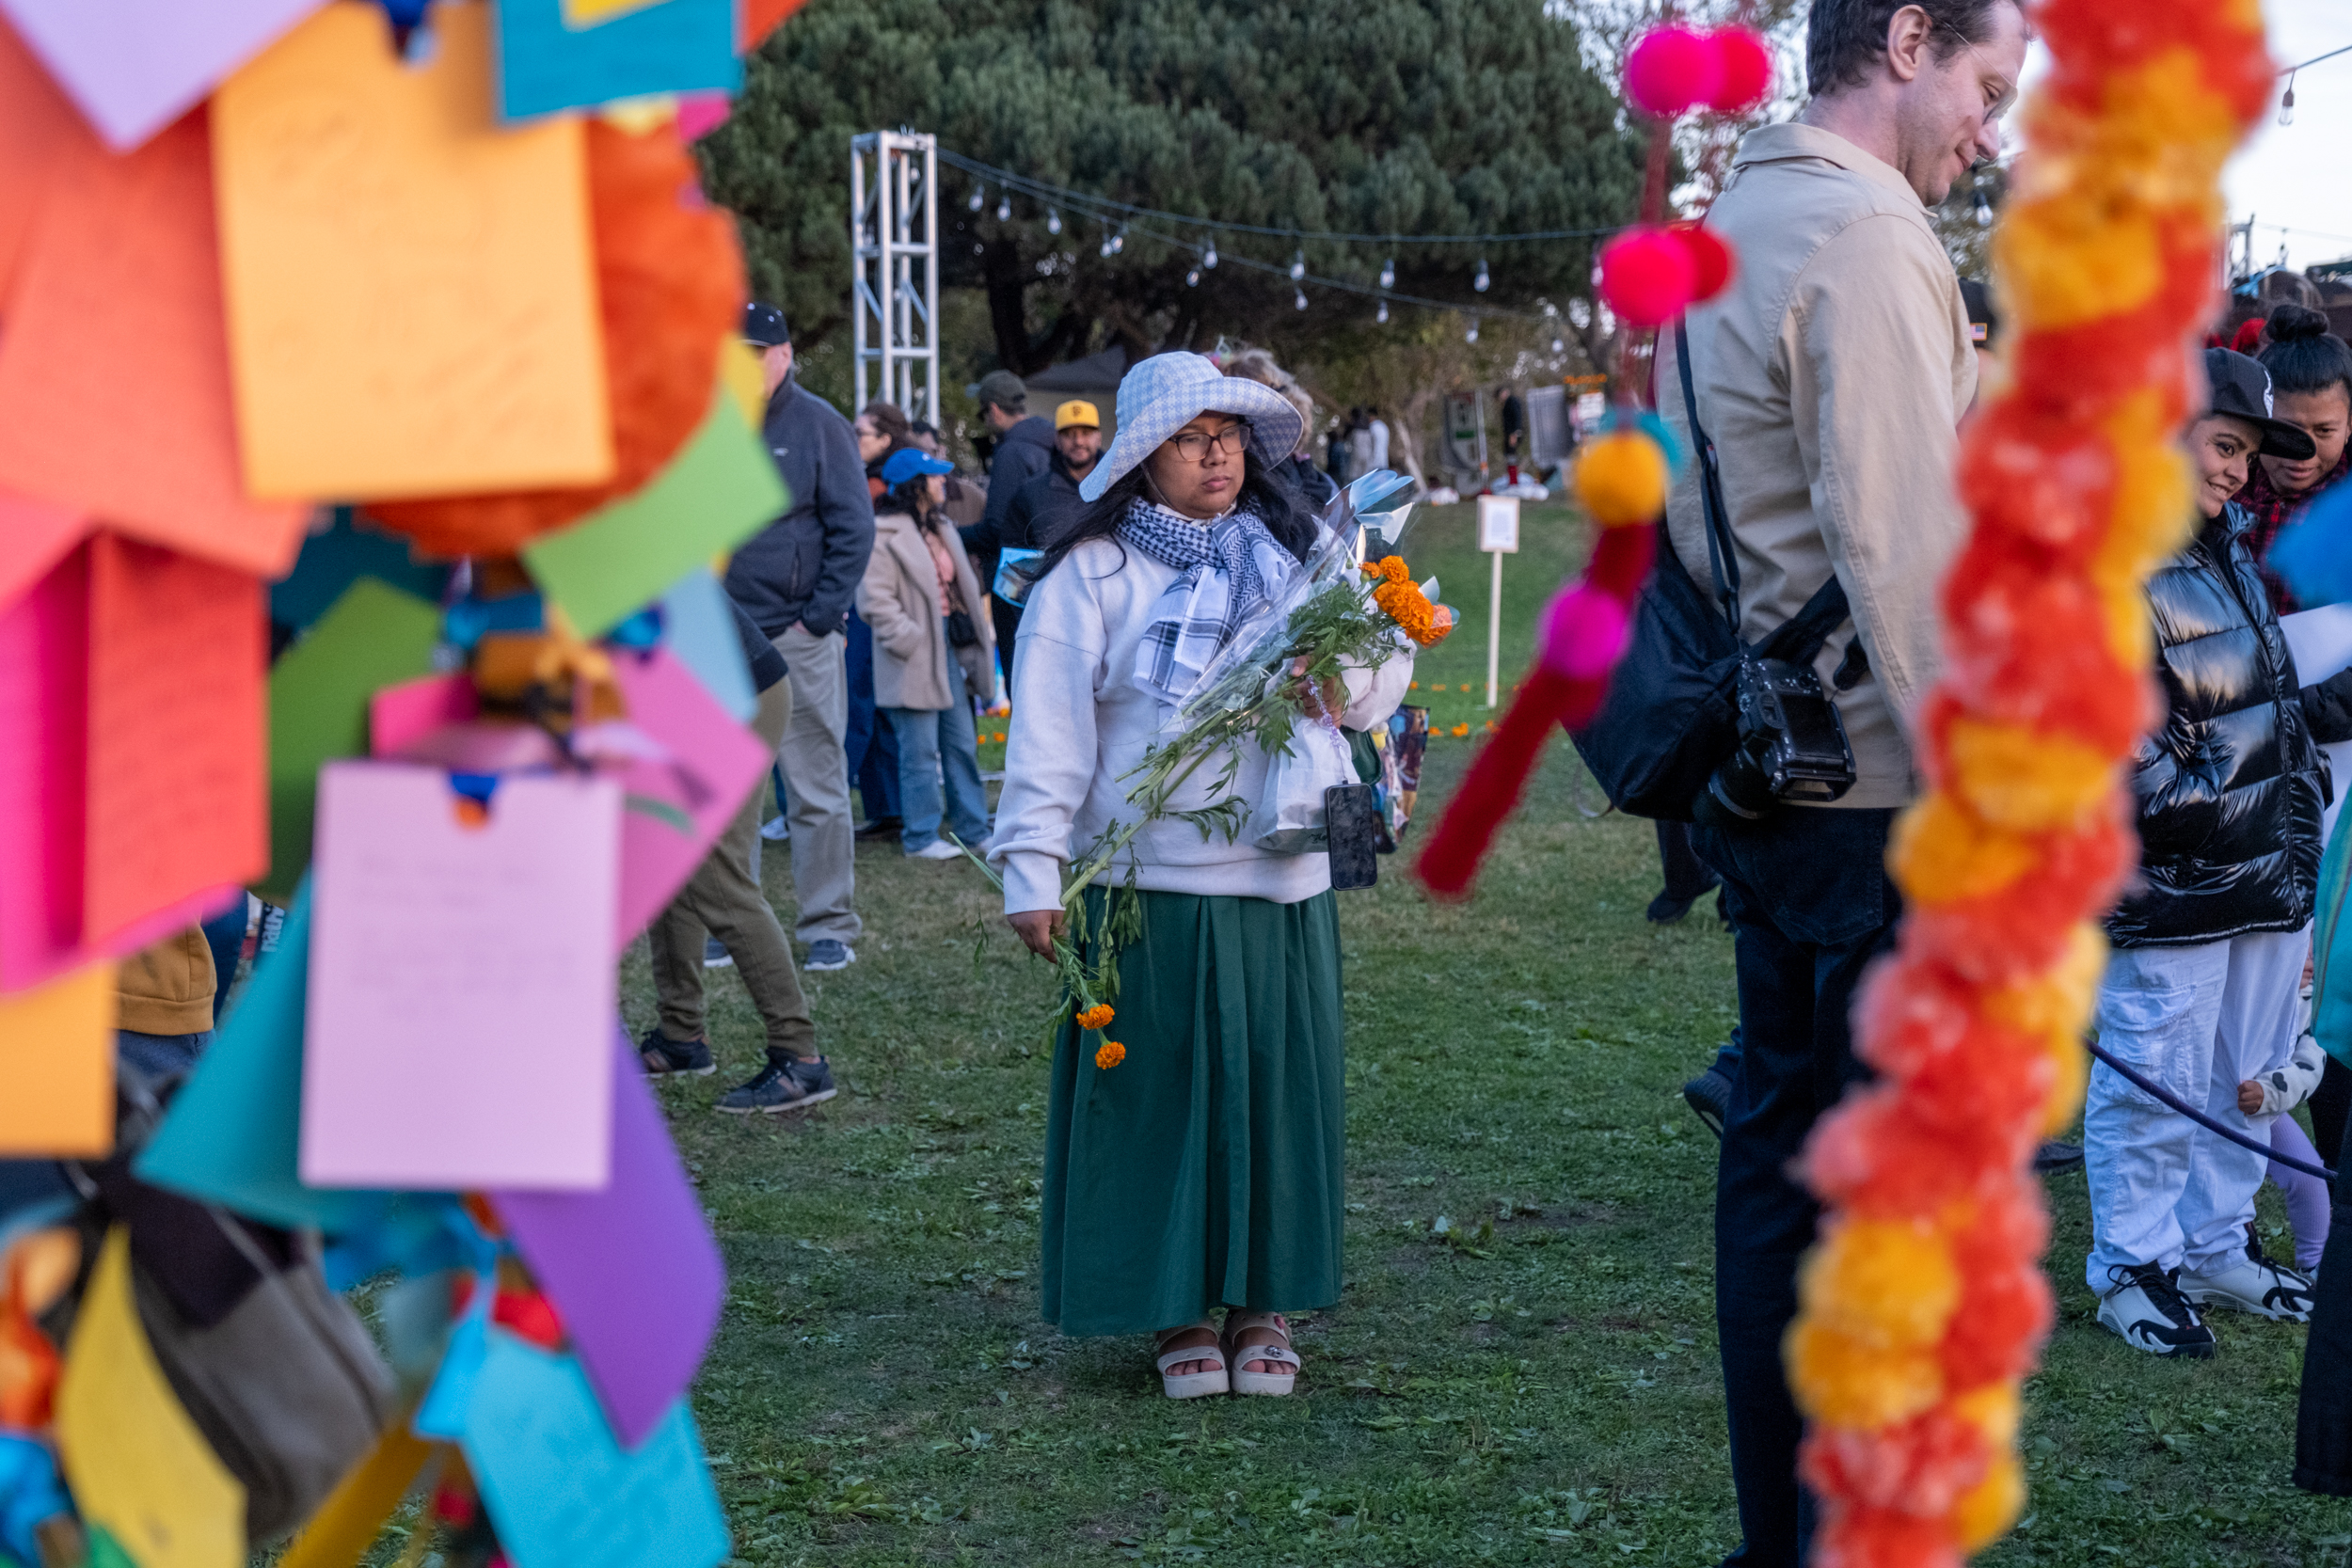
point(1351, 816)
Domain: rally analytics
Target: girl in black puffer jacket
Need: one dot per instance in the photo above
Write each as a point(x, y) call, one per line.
point(2203, 990)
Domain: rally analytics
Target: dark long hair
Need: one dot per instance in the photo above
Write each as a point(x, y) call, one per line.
point(1264, 490)
point(914, 497)
point(2303, 356)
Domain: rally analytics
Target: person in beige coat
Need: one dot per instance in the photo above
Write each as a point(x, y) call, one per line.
point(933, 655)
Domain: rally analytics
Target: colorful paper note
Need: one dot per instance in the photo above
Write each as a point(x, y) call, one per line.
point(57, 1061)
point(442, 1415)
point(231, 1134)
point(335, 557)
point(587, 13)
point(353, 1516)
point(40, 136)
point(114, 371)
point(677, 46)
point(319, 694)
point(138, 1468)
point(718, 492)
point(698, 629)
point(175, 804)
point(134, 66)
point(675, 809)
point(639, 1252)
point(462, 986)
point(412, 292)
point(401, 715)
point(563, 1493)
point(33, 537)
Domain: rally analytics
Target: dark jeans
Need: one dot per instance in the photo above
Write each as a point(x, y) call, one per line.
point(1687, 876)
point(2330, 1103)
point(1810, 906)
point(866, 743)
point(2323, 1416)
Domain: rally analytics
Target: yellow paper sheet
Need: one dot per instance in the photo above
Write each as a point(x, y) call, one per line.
point(138, 1468)
point(57, 1066)
point(738, 371)
point(412, 296)
point(587, 13)
point(353, 1516)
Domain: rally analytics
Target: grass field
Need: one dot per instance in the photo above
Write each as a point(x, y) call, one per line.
point(1522, 1369)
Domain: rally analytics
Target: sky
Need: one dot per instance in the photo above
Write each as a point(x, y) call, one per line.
point(2300, 175)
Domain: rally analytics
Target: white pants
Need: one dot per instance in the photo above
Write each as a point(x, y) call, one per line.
point(2197, 1021)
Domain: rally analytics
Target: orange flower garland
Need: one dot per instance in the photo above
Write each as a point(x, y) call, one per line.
point(1406, 604)
point(1921, 1303)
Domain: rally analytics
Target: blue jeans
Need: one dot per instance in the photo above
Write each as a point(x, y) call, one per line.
point(929, 737)
point(867, 744)
point(225, 935)
point(1811, 906)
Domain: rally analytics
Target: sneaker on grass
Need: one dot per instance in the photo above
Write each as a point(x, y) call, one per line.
point(667, 1058)
point(715, 954)
point(937, 849)
point(1709, 1096)
point(2148, 1310)
point(795, 1085)
point(776, 830)
point(829, 955)
point(2251, 1283)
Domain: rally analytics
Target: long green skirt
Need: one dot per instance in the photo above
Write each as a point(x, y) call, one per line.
point(1205, 1168)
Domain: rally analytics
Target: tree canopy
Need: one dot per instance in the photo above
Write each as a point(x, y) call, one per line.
point(1406, 117)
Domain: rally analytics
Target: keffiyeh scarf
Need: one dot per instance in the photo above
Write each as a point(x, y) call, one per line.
point(1231, 567)
point(2272, 513)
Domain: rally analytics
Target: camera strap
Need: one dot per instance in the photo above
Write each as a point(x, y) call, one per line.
point(1798, 639)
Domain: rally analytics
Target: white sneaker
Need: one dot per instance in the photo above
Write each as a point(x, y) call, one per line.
point(2150, 1314)
point(2251, 1283)
point(937, 849)
point(775, 830)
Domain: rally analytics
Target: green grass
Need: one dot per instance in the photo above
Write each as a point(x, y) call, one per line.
point(1522, 1369)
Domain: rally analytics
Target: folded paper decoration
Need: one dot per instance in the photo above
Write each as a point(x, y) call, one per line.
point(545, 64)
point(412, 296)
point(139, 1468)
point(354, 1514)
point(114, 371)
point(134, 66)
point(698, 629)
point(40, 134)
point(335, 557)
point(462, 988)
point(57, 1059)
point(33, 537)
point(675, 808)
point(399, 715)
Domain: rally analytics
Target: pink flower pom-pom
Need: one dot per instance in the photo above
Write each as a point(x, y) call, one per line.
point(1744, 70)
point(1647, 276)
point(1671, 70)
point(1584, 633)
point(701, 113)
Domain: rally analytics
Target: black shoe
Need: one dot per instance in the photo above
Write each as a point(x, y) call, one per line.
point(1666, 908)
point(2147, 1308)
point(667, 1058)
point(882, 826)
point(826, 955)
point(793, 1086)
point(1709, 1096)
point(2055, 1155)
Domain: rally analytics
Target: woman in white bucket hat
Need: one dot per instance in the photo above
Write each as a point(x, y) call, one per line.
point(1203, 1169)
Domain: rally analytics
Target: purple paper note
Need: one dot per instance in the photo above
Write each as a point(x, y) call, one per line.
point(134, 66)
point(673, 809)
point(632, 1270)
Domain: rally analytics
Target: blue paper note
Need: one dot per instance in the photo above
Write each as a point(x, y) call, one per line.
point(674, 46)
point(699, 627)
point(563, 1493)
point(230, 1135)
point(449, 1403)
point(331, 562)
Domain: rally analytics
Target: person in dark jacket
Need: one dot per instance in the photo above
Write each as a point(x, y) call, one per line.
point(796, 580)
point(1024, 446)
point(1036, 514)
point(2203, 990)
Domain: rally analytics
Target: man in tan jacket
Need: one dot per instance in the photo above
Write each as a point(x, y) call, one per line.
point(1831, 376)
point(163, 1005)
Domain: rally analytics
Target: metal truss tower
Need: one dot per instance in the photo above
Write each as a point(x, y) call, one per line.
point(894, 236)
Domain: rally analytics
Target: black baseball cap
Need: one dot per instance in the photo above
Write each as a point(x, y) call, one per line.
point(2241, 389)
point(763, 326)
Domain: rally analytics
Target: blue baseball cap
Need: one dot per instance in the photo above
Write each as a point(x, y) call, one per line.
point(907, 461)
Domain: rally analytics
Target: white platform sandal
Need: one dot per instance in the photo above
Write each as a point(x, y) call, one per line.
point(1191, 1386)
point(1238, 1355)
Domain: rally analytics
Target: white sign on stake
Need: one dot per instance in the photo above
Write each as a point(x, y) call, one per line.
point(1498, 535)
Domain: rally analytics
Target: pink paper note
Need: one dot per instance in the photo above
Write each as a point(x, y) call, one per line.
point(675, 810)
point(34, 536)
point(134, 66)
point(638, 1253)
point(459, 1023)
point(401, 715)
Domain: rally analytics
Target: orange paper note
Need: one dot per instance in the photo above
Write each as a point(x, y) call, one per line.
point(58, 1067)
point(175, 803)
point(40, 134)
point(412, 295)
point(114, 367)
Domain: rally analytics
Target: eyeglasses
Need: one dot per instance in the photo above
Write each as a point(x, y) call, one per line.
point(1193, 445)
point(2000, 106)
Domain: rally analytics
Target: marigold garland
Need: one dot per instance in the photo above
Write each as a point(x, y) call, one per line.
point(1921, 1305)
point(1110, 1055)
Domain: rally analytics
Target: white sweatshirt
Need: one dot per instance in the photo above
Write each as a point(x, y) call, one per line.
point(1079, 721)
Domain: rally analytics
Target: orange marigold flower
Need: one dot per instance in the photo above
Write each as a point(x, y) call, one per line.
point(1461, 729)
point(1110, 1055)
point(1095, 1017)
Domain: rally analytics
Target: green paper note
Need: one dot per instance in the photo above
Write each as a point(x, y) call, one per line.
point(717, 493)
point(373, 637)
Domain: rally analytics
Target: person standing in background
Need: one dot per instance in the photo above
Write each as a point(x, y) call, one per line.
point(795, 581)
point(1315, 488)
point(1038, 512)
point(1378, 429)
point(163, 1005)
point(1025, 449)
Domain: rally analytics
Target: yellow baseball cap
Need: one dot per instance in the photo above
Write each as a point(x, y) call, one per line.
point(1077, 411)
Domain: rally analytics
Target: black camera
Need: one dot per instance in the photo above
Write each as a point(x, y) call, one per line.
point(1793, 746)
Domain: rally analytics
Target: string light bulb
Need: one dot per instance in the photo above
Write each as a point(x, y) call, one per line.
point(1119, 240)
point(1298, 299)
point(2286, 104)
point(1984, 209)
point(1192, 278)
point(1382, 316)
point(1299, 265)
point(1472, 336)
point(1481, 281)
point(1003, 207)
point(1208, 257)
point(979, 197)
point(1559, 345)
point(1053, 221)
point(1388, 273)
point(1107, 249)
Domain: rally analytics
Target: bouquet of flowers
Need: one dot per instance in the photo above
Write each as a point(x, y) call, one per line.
point(1277, 685)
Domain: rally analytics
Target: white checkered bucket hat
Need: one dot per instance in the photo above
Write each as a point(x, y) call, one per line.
point(1167, 391)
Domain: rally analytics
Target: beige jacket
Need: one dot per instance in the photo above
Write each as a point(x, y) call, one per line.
point(167, 988)
point(1832, 374)
point(899, 599)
